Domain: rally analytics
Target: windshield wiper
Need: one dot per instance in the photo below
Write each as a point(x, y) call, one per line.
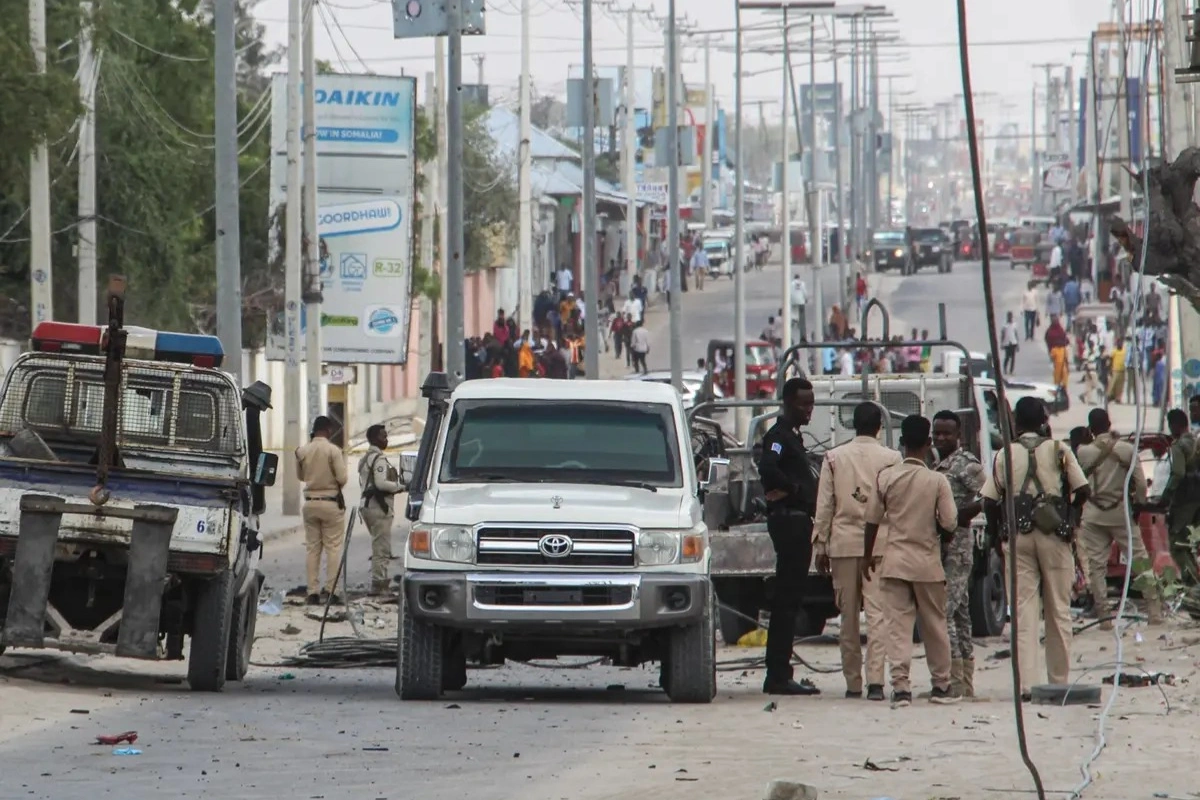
point(613, 482)
point(490, 478)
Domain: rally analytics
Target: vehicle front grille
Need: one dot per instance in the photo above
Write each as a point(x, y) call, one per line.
point(583, 596)
point(521, 547)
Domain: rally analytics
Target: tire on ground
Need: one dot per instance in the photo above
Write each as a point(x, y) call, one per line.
point(212, 618)
point(987, 595)
point(420, 651)
point(690, 668)
point(241, 634)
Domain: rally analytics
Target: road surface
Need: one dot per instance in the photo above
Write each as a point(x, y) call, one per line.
point(527, 733)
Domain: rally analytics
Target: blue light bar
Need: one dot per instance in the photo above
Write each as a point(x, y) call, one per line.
point(189, 348)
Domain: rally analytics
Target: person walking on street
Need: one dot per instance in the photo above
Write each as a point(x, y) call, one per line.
point(322, 467)
point(1058, 343)
point(918, 508)
point(791, 493)
point(1029, 310)
point(380, 483)
point(1182, 498)
point(700, 265)
point(799, 301)
point(639, 346)
point(1106, 462)
point(848, 476)
point(1041, 554)
point(966, 476)
point(1010, 341)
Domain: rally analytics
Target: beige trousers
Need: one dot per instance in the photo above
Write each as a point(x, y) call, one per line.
point(1045, 569)
point(1096, 542)
point(852, 595)
point(379, 525)
point(905, 602)
point(324, 532)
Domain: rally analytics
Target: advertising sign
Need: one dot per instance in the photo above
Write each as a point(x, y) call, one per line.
point(364, 137)
point(1056, 172)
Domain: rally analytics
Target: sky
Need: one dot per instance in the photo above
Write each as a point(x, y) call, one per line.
point(356, 36)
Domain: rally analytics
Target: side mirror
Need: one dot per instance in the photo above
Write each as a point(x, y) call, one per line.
point(717, 479)
point(265, 469)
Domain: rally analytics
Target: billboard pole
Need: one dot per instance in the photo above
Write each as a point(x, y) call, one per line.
point(590, 279)
point(312, 241)
point(229, 268)
point(291, 267)
point(456, 356)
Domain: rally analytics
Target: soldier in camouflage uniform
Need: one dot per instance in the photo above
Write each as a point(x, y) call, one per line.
point(966, 476)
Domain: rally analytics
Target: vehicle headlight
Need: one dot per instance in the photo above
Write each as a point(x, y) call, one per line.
point(898, 252)
point(443, 543)
point(936, 248)
point(659, 548)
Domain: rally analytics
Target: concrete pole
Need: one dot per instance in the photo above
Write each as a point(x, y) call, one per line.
point(706, 198)
point(739, 235)
point(1176, 50)
point(87, 170)
point(1072, 131)
point(1091, 156)
point(1035, 173)
point(673, 198)
point(855, 142)
point(785, 204)
point(41, 305)
point(591, 268)
point(225, 121)
point(312, 256)
point(837, 168)
point(629, 148)
point(525, 291)
point(428, 214)
point(291, 264)
point(1126, 157)
point(872, 194)
point(456, 357)
point(814, 199)
point(443, 191)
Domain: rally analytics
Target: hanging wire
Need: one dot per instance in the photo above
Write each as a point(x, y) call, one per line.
point(1001, 394)
point(160, 53)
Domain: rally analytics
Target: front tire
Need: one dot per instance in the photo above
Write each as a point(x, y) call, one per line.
point(987, 593)
point(689, 673)
point(241, 633)
point(420, 653)
point(211, 624)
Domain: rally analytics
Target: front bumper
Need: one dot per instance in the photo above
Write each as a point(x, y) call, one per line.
point(556, 601)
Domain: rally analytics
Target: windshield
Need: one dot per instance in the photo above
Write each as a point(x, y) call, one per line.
point(716, 244)
point(930, 235)
point(561, 441)
point(759, 356)
point(889, 238)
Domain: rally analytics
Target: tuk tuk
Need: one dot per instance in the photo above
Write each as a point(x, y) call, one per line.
point(760, 367)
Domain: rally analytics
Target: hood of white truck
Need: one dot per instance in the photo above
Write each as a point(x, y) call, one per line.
point(563, 503)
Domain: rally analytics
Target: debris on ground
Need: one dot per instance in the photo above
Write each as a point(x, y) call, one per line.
point(128, 737)
point(788, 790)
point(126, 751)
point(1136, 681)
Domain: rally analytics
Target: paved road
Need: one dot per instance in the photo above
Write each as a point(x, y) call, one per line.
point(517, 733)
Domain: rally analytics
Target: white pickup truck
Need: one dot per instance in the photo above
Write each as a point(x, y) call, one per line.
point(555, 518)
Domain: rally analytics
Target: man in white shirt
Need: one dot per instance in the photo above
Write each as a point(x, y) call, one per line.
point(846, 363)
point(1029, 310)
point(1056, 258)
point(639, 345)
point(633, 308)
point(799, 303)
point(1010, 339)
point(564, 279)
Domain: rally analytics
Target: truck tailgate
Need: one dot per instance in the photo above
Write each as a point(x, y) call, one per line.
point(204, 505)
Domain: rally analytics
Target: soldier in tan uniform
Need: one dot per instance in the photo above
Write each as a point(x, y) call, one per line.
point(380, 484)
point(1042, 554)
point(918, 507)
point(848, 477)
point(1105, 462)
point(322, 467)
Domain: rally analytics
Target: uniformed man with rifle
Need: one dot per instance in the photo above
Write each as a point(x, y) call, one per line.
point(380, 483)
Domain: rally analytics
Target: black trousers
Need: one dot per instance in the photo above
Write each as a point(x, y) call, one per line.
point(1010, 358)
point(791, 534)
point(1030, 325)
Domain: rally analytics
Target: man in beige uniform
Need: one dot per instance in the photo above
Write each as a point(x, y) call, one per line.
point(848, 477)
point(1105, 463)
point(380, 483)
point(1043, 559)
point(918, 506)
point(322, 467)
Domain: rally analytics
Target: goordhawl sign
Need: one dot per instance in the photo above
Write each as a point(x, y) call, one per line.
point(364, 133)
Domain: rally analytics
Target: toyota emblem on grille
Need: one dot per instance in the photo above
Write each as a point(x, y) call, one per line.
point(556, 501)
point(555, 545)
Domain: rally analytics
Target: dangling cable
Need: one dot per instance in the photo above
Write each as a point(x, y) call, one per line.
point(1001, 395)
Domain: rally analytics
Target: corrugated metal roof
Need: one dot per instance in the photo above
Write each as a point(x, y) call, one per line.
point(505, 128)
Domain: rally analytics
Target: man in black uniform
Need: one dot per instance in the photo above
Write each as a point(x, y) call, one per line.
point(791, 489)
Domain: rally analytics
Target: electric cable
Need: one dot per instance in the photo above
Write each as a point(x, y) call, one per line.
point(1001, 393)
point(149, 49)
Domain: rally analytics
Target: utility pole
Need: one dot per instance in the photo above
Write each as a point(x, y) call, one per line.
point(1072, 129)
point(837, 168)
point(525, 184)
point(312, 261)
point(710, 110)
point(872, 195)
point(225, 120)
point(1091, 155)
point(673, 198)
point(41, 305)
point(591, 271)
point(87, 169)
point(1126, 156)
point(1048, 127)
point(441, 353)
point(629, 149)
point(479, 59)
point(855, 141)
point(739, 233)
point(814, 192)
point(291, 264)
point(456, 356)
point(785, 204)
point(1035, 174)
point(428, 214)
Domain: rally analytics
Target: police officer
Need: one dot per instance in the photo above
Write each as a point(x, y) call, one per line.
point(380, 483)
point(1042, 552)
point(1182, 497)
point(848, 476)
point(1105, 462)
point(321, 466)
point(966, 476)
point(791, 490)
